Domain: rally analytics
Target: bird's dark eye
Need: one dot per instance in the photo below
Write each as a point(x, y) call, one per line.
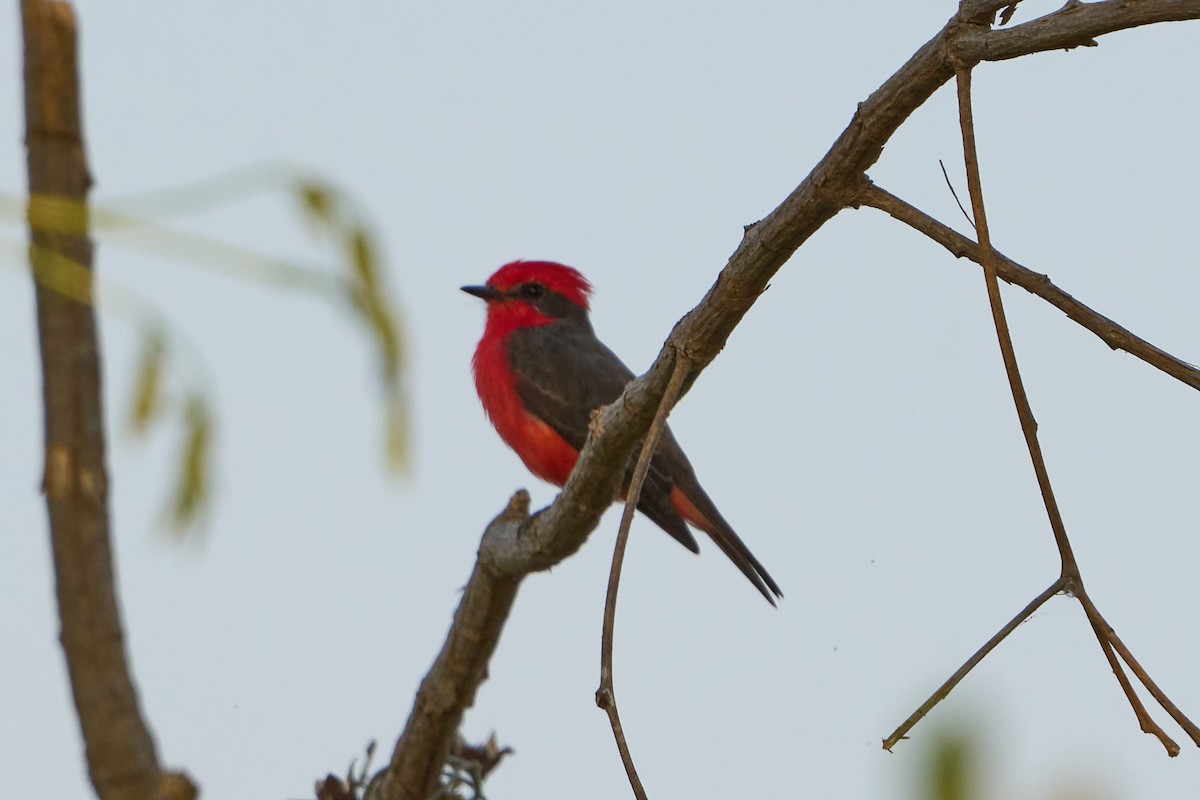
point(532, 291)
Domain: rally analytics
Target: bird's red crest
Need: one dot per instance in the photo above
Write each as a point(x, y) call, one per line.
point(558, 278)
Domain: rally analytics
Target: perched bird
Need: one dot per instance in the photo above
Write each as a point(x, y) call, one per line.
point(540, 372)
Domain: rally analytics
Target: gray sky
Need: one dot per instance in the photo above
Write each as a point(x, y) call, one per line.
point(857, 429)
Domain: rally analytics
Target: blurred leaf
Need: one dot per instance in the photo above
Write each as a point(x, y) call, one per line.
point(62, 274)
point(361, 251)
point(147, 392)
point(397, 430)
point(131, 223)
point(388, 335)
point(52, 214)
point(375, 311)
point(192, 489)
point(367, 296)
point(318, 201)
point(952, 768)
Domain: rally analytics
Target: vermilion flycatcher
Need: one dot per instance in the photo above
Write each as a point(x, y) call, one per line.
point(541, 372)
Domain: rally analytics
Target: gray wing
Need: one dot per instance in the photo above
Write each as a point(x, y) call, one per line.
point(563, 374)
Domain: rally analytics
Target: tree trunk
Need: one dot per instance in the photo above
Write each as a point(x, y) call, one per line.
point(121, 756)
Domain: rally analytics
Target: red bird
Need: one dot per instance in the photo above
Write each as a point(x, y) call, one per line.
point(540, 372)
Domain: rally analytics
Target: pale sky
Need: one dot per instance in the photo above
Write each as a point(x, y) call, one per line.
point(857, 430)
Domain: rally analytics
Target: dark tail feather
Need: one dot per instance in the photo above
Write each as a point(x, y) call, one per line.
point(696, 507)
point(655, 503)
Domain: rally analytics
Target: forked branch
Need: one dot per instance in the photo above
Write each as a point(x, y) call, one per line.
point(835, 183)
point(1070, 579)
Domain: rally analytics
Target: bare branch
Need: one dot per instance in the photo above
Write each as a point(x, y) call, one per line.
point(1110, 642)
point(1003, 336)
point(1073, 25)
point(942, 691)
point(606, 696)
point(1111, 333)
point(121, 756)
point(449, 688)
point(835, 183)
point(1069, 578)
point(1145, 721)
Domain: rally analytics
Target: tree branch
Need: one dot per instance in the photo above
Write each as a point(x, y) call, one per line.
point(1108, 638)
point(1111, 333)
point(606, 695)
point(944, 690)
point(834, 183)
point(449, 688)
point(1070, 578)
point(122, 760)
point(1074, 25)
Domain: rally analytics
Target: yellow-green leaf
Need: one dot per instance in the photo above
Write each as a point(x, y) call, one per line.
point(192, 487)
point(318, 202)
point(147, 391)
point(361, 251)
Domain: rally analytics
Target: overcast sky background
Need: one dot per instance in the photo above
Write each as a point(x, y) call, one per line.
point(857, 429)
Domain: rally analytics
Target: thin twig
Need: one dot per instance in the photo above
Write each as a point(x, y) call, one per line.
point(1069, 579)
point(954, 194)
point(1103, 629)
point(945, 689)
point(1070, 574)
point(606, 696)
point(1111, 333)
point(1145, 721)
point(1024, 411)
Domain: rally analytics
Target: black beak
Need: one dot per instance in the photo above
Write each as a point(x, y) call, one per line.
point(484, 292)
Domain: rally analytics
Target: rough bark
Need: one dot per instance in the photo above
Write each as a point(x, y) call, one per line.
point(121, 757)
point(449, 688)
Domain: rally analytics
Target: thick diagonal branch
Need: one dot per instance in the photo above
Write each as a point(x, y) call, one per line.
point(449, 688)
point(1076, 24)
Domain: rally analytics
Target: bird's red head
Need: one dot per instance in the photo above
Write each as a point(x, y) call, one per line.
point(557, 278)
point(532, 293)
